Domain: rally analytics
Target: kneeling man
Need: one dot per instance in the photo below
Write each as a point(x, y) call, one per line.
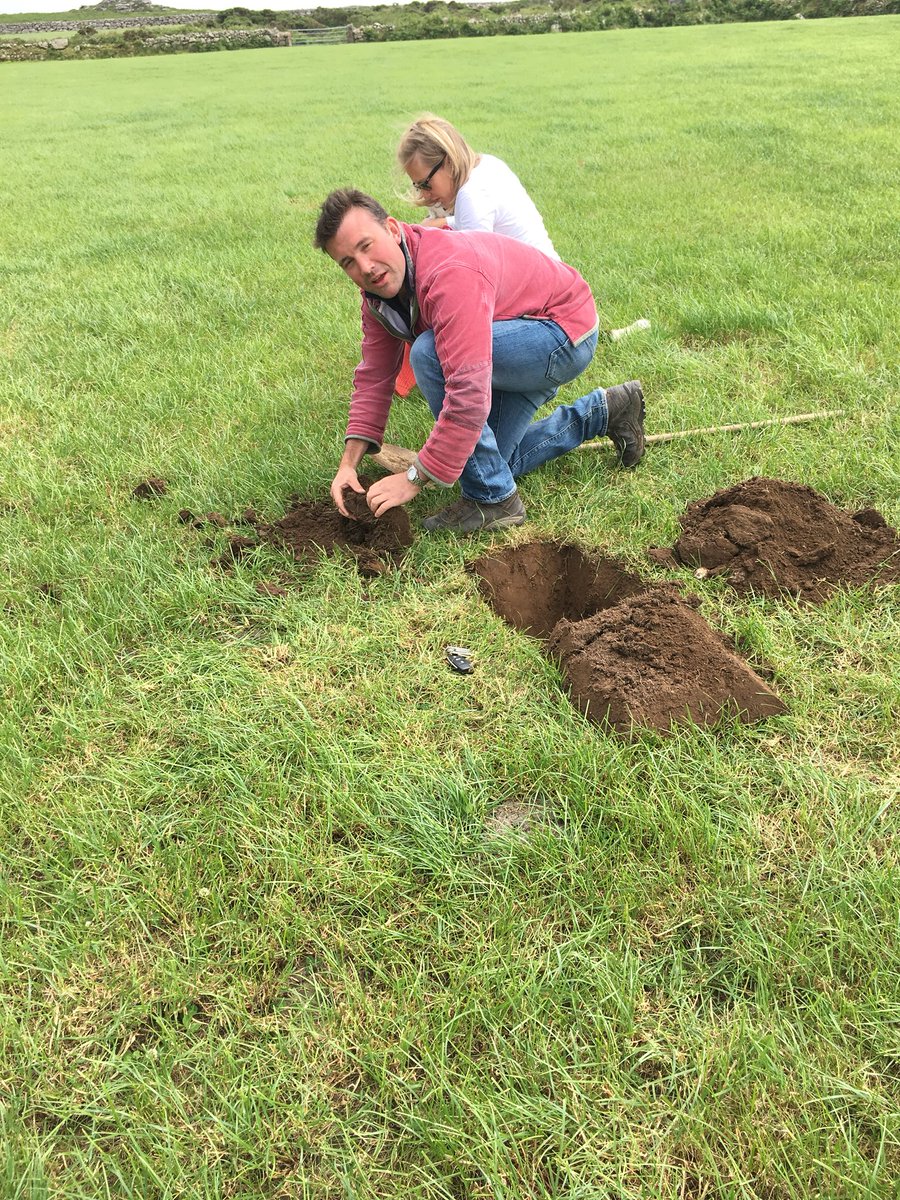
point(496, 328)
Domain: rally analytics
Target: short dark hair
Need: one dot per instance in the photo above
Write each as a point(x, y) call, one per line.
point(336, 206)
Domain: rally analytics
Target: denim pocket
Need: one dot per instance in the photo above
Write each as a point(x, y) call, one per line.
point(568, 361)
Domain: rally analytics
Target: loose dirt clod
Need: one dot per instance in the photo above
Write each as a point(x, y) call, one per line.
point(770, 536)
point(148, 488)
point(632, 653)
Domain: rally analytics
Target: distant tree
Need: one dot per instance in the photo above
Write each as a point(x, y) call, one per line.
point(333, 16)
point(227, 14)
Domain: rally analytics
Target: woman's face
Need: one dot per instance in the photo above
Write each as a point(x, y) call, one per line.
point(437, 187)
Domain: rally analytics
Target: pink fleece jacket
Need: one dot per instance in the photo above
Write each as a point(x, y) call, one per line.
point(463, 283)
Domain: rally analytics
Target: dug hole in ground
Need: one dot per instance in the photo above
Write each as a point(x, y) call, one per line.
point(632, 653)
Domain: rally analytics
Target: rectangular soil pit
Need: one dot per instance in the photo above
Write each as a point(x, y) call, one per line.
point(534, 586)
point(632, 653)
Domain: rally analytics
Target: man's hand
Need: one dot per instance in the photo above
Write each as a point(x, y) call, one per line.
point(390, 492)
point(346, 478)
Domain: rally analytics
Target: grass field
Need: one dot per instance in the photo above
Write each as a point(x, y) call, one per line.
point(255, 942)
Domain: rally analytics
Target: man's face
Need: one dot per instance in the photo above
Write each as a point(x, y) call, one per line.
point(370, 253)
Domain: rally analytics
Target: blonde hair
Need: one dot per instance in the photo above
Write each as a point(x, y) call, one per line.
point(431, 139)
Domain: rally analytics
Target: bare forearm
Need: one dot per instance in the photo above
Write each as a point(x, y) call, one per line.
point(355, 450)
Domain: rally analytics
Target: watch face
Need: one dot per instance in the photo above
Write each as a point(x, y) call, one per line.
point(412, 475)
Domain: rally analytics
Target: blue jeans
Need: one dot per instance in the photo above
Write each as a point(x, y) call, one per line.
point(531, 360)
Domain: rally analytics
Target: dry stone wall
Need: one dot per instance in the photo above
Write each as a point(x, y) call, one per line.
point(119, 23)
point(172, 18)
point(166, 43)
point(23, 51)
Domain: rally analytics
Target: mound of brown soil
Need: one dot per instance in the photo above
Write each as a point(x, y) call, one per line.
point(770, 536)
point(632, 653)
point(312, 526)
point(653, 660)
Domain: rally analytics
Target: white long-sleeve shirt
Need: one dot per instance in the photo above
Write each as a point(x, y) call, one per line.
point(493, 200)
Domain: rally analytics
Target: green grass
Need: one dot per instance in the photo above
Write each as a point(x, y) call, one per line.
point(255, 943)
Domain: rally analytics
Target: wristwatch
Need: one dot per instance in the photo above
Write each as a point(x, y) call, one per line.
point(414, 475)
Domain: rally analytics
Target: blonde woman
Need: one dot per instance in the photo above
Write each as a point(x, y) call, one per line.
point(474, 191)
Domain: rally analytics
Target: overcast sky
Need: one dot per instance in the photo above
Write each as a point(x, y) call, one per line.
point(55, 6)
